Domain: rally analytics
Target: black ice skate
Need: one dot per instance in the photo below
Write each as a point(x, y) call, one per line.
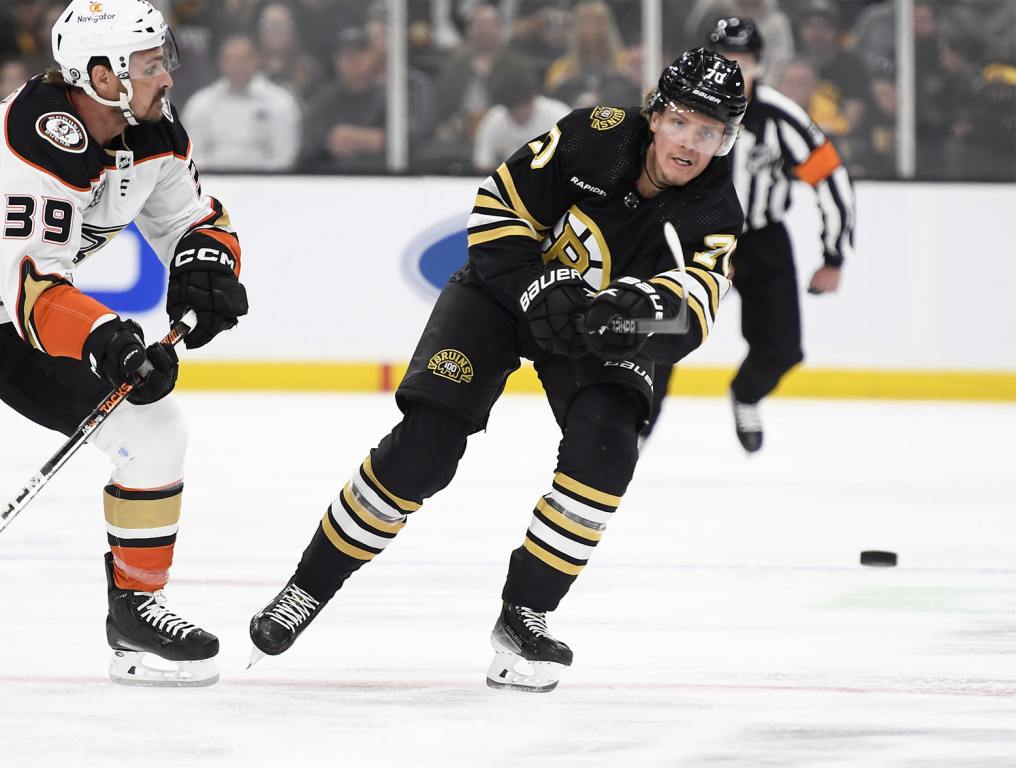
point(276, 626)
point(138, 624)
point(748, 424)
point(526, 656)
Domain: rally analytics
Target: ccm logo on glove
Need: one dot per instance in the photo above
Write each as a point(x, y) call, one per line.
point(205, 254)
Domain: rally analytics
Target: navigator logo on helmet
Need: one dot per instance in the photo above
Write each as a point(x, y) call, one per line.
point(111, 32)
point(705, 82)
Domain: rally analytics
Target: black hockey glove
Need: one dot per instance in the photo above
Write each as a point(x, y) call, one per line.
point(610, 332)
point(116, 350)
point(552, 303)
point(202, 278)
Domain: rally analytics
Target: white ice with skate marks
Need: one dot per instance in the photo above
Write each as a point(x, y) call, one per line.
point(724, 619)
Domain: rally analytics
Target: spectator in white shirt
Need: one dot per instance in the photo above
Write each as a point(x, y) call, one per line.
point(242, 121)
point(519, 115)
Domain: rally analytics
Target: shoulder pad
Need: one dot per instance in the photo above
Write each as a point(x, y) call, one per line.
point(42, 130)
point(602, 140)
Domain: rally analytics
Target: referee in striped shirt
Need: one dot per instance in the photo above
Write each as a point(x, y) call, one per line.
point(778, 145)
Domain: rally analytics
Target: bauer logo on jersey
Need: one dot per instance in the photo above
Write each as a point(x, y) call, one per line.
point(452, 365)
point(62, 130)
point(605, 118)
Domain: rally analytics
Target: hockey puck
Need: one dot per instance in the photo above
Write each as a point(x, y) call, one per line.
point(878, 558)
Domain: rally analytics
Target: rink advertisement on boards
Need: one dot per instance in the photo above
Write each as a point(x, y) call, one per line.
point(347, 269)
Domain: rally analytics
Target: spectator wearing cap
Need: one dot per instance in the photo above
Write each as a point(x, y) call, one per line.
point(519, 115)
point(840, 100)
point(242, 121)
point(345, 126)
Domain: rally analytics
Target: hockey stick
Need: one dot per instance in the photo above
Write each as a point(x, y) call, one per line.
point(681, 322)
point(89, 425)
point(670, 325)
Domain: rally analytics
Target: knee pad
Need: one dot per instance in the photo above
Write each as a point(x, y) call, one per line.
point(420, 456)
point(146, 443)
point(600, 444)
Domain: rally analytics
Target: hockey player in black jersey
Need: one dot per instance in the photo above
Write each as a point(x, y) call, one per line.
point(90, 147)
point(565, 244)
point(779, 144)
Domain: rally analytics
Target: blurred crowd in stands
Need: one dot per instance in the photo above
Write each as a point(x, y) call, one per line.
point(300, 85)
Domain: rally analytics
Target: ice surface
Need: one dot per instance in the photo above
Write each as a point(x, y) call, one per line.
point(723, 621)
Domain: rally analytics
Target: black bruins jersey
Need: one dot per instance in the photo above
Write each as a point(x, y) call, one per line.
point(570, 196)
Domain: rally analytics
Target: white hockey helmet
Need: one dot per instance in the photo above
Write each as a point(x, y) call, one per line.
point(114, 29)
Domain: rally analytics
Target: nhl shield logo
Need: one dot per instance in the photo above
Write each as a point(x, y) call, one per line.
point(452, 365)
point(605, 118)
point(62, 130)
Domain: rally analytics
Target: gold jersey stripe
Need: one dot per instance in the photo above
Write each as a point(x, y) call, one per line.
point(670, 284)
point(369, 519)
point(711, 285)
point(693, 303)
point(586, 491)
point(405, 506)
point(136, 514)
point(553, 561)
point(485, 200)
point(513, 195)
point(700, 313)
point(340, 544)
point(497, 234)
point(567, 523)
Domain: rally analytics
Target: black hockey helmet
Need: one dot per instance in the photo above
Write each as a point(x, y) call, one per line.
point(705, 82)
point(734, 35)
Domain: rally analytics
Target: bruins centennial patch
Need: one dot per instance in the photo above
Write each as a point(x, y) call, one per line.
point(605, 118)
point(452, 365)
point(62, 130)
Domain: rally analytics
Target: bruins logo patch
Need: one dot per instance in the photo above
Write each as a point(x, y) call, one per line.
point(63, 131)
point(452, 365)
point(605, 118)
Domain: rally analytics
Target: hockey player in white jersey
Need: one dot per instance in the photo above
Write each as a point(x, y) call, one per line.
point(90, 147)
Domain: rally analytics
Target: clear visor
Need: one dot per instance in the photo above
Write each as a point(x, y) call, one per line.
point(154, 62)
point(697, 131)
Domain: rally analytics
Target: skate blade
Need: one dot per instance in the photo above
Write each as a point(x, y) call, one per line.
point(509, 671)
point(130, 668)
point(255, 656)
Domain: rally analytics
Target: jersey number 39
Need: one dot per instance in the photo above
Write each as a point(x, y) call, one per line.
point(20, 219)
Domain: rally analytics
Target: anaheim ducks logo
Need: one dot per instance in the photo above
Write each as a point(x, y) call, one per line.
point(62, 130)
point(452, 365)
point(605, 118)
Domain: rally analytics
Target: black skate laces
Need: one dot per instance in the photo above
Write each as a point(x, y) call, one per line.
point(294, 607)
point(534, 621)
point(154, 611)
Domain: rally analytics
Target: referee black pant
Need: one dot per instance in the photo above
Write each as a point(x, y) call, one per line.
point(765, 278)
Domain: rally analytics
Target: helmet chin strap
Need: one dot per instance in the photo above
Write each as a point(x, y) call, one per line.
point(123, 104)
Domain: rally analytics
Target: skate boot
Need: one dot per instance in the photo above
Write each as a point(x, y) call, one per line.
point(748, 424)
point(276, 626)
point(140, 625)
point(526, 657)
